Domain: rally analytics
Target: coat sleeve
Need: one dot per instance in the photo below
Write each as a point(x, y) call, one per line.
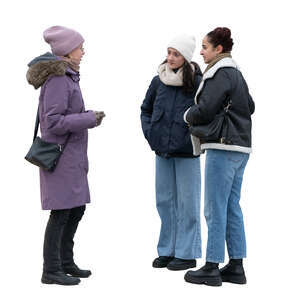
point(56, 98)
point(210, 100)
point(251, 105)
point(147, 106)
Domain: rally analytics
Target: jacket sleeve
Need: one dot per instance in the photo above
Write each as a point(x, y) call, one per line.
point(211, 99)
point(251, 105)
point(56, 98)
point(147, 106)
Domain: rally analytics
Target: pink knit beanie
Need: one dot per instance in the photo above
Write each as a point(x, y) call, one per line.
point(62, 40)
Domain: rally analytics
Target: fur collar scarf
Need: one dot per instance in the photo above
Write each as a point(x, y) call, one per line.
point(39, 72)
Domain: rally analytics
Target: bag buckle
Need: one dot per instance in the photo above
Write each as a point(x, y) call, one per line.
point(228, 106)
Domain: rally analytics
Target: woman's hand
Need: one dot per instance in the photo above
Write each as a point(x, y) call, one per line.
point(99, 117)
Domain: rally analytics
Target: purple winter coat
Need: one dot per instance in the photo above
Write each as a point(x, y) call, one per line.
point(62, 111)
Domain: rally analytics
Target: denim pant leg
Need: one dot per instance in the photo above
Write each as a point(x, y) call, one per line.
point(188, 232)
point(219, 175)
point(165, 184)
point(67, 242)
point(235, 232)
point(52, 241)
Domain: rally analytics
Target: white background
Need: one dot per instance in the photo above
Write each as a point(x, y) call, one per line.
point(125, 43)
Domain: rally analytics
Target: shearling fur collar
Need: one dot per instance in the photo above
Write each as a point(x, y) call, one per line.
point(226, 62)
point(38, 73)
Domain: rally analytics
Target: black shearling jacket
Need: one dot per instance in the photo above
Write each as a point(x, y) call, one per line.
point(221, 83)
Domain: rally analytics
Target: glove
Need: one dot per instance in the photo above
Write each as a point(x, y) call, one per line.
point(99, 117)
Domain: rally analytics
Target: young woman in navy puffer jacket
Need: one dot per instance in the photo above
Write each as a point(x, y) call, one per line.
point(177, 169)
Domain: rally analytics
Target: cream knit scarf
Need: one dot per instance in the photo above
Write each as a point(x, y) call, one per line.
point(169, 77)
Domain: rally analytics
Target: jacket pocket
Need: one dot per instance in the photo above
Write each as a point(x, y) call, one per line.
point(156, 115)
point(180, 121)
point(155, 134)
point(85, 166)
point(181, 140)
point(76, 136)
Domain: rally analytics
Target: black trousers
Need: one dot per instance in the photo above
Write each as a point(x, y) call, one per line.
point(59, 235)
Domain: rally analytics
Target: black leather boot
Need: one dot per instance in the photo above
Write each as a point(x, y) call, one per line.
point(209, 274)
point(234, 272)
point(161, 261)
point(178, 264)
point(59, 277)
point(74, 271)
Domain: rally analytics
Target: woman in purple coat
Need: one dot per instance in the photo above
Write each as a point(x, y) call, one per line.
point(62, 113)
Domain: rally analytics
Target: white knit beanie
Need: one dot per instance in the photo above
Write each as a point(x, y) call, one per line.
point(185, 44)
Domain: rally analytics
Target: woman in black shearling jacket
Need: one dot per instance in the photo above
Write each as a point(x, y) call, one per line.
point(220, 123)
point(222, 86)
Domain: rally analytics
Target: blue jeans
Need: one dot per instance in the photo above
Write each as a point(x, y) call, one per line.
point(178, 193)
point(223, 181)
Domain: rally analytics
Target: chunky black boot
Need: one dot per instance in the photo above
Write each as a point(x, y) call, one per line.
point(161, 261)
point(234, 272)
point(74, 271)
point(178, 264)
point(59, 277)
point(209, 274)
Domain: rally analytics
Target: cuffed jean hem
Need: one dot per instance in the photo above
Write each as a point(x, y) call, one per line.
point(162, 253)
point(237, 256)
point(188, 257)
point(215, 260)
point(178, 255)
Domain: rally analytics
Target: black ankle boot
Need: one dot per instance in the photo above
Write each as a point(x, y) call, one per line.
point(234, 272)
point(59, 277)
point(161, 261)
point(209, 274)
point(178, 264)
point(74, 271)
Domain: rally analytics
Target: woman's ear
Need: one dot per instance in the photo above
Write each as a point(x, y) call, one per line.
point(219, 49)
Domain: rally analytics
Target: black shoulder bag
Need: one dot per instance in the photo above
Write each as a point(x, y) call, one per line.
point(215, 131)
point(44, 154)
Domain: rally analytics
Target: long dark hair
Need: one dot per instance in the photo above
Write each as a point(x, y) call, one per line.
point(188, 76)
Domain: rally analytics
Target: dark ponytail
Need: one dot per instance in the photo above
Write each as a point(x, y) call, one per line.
point(221, 36)
point(189, 76)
